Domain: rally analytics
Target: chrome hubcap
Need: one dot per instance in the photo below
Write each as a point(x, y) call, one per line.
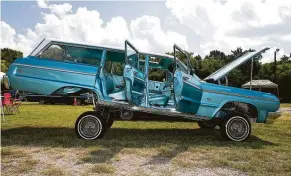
point(238, 128)
point(126, 115)
point(90, 127)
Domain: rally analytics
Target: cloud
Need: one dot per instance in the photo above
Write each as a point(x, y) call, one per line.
point(7, 35)
point(228, 24)
point(87, 26)
point(207, 25)
point(148, 29)
point(57, 9)
point(42, 3)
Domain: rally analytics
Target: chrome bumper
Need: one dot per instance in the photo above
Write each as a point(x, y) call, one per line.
point(272, 116)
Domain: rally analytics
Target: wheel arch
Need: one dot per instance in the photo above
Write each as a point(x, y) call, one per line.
point(81, 90)
point(247, 109)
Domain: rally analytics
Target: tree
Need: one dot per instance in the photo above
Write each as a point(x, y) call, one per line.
point(285, 58)
point(182, 56)
point(8, 56)
point(283, 77)
point(242, 74)
point(215, 54)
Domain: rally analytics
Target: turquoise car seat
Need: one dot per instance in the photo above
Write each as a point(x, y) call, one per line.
point(111, 92)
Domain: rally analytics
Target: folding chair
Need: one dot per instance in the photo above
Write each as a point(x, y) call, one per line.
point(17, 101)
point(9, 105)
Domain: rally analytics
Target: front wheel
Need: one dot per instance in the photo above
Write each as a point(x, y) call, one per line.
point(90, 125)
point(236, 128)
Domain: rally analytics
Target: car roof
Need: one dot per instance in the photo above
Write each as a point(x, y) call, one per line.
point(120, 49)
point(110, 49)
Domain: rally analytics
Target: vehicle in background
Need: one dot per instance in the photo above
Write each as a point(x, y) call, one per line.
point(82, 99)
point(119, 81)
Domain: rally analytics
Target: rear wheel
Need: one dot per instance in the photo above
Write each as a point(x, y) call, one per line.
point(236, 128)
point(79, 102)
point(207, 124)
point(42, 101)
point(90, 125)
point(126, 114)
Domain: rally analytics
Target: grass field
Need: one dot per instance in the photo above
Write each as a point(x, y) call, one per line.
point(41, 141)
point(285, 105)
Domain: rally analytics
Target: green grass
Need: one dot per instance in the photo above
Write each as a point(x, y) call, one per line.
point(183, 144)
point(285, 105)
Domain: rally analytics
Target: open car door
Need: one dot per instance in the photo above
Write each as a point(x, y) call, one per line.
point(187, 86)
point(133, 76)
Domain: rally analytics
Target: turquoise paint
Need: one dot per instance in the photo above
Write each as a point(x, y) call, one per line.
point(187, 96)
point(191, 94)
point(215, 96)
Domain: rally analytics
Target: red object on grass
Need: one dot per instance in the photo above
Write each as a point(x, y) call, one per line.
point(10, 106)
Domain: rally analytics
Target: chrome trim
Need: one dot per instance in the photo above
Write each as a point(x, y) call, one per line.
point(152, 110)
point(37, 47)
point(191, 84)
point(55, 69)
point(238, 95)
point(135, 77)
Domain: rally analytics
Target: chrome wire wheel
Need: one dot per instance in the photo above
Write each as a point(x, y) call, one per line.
point(89, 127)
point(237, 128)
point(126, 115)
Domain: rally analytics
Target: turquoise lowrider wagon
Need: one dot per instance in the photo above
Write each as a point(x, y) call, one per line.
point(119, 81)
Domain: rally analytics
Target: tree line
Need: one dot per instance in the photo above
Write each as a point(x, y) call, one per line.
point(209, 64)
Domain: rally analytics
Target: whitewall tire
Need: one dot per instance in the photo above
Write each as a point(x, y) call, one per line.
point(236, 128)
point(90, 125)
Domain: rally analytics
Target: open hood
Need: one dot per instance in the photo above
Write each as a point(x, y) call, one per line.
point(232, 65)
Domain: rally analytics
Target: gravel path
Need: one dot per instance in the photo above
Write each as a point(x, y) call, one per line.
point(285, 110)
point(60, 161)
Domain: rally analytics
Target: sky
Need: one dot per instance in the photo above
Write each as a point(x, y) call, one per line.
point(197, 26)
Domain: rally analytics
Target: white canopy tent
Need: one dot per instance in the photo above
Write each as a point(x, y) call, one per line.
point(261, 85)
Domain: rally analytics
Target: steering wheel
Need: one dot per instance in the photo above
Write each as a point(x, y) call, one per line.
point(226, 81)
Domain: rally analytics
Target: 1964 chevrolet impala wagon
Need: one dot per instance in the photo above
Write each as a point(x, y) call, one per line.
point(119, 81)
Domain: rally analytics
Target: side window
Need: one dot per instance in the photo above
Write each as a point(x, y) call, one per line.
point(54, 52)
point(73, 54)
point(157, 75)
point(117, 68)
